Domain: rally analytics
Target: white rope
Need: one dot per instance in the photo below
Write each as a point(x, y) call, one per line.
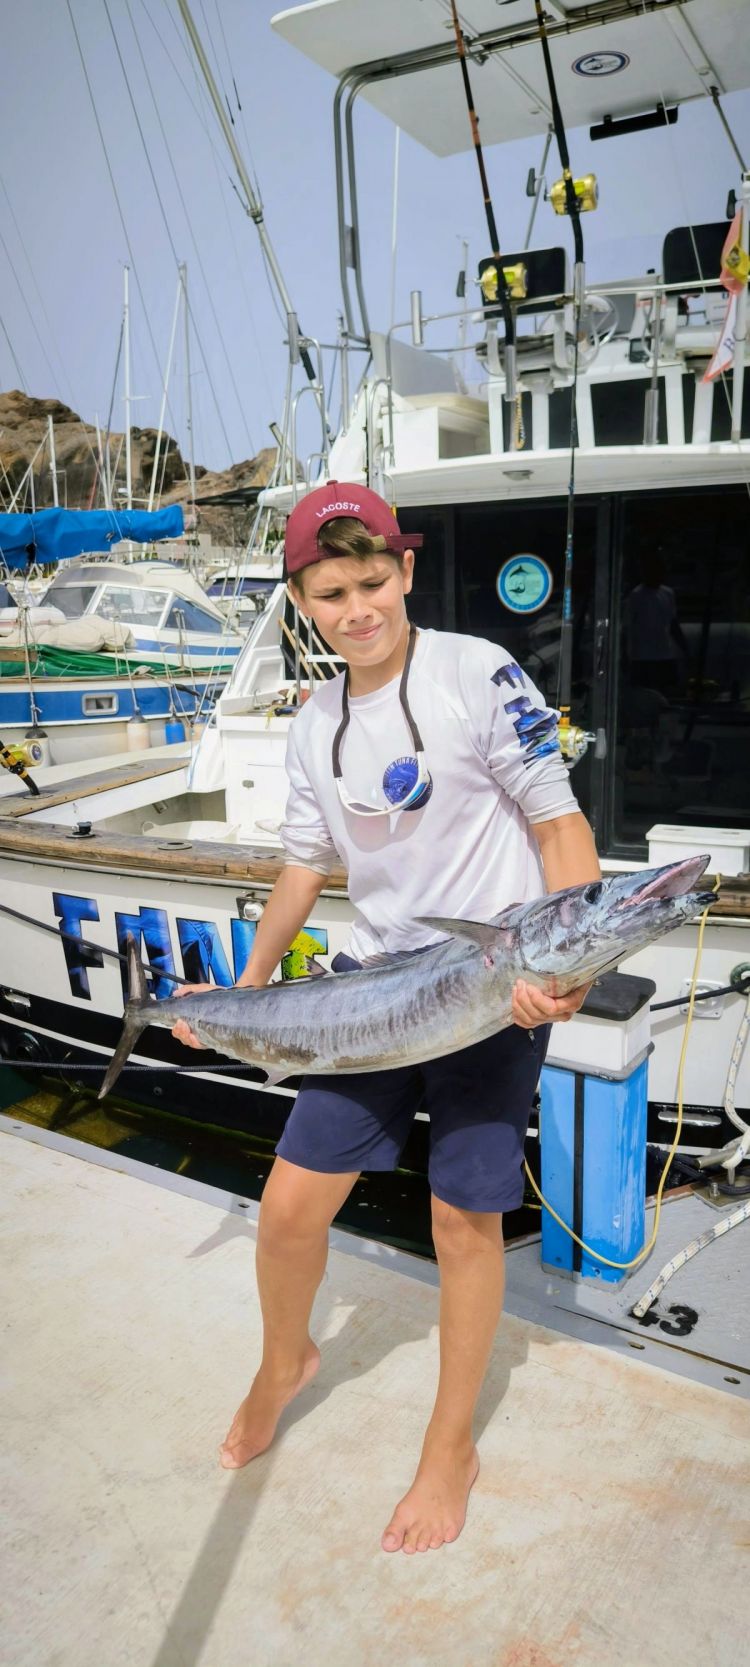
point(686, 1255)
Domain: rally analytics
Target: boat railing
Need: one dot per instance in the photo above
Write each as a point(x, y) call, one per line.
point(665, 345)
point(317, 389)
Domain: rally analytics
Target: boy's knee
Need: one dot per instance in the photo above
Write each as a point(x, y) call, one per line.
point(462, 1232)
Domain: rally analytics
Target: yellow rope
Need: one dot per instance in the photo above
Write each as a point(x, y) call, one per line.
point(678, 1128)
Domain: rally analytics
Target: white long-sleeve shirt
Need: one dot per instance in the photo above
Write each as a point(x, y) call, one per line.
point(491, 746)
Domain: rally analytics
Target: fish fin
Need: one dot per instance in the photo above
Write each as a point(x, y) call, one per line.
point(396, 958)
point(135, 1018)
point(314, 968)
point(477, 931)
point(273, 1078)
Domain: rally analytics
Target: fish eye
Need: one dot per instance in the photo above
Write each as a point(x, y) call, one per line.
point(593, 893)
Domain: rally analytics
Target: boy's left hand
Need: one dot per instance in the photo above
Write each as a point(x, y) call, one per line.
point(531, 1007)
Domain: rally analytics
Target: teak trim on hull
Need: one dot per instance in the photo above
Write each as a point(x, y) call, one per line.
point(188, 859)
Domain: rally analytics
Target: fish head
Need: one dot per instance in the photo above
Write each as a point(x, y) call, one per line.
point(587, 929)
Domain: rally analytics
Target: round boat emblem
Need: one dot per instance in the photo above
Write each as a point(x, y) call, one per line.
point(524, 584)
point(601, 63)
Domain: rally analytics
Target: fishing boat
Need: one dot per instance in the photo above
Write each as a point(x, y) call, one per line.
point(616, 1432)
point(183, 856)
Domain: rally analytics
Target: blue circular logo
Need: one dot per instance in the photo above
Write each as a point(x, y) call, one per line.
point(524, 584)
point(601, 63)
point(399, 778)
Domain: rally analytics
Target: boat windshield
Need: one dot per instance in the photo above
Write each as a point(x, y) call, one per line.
point(72, 600)
point(133, 606)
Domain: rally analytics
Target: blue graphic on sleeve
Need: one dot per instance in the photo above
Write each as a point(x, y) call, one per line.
point(153, 926)
point(399, 778)
point(535, 726)
point(70, 912)
point(510, 674)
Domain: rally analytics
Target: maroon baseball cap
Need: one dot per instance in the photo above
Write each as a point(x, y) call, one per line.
point(329, 503)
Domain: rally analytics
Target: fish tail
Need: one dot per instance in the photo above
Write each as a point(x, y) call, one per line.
point(136, 1018)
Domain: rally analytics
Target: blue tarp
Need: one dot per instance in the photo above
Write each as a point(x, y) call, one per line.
point(58, 534)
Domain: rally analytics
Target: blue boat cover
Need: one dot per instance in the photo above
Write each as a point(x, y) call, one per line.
point(58, 534)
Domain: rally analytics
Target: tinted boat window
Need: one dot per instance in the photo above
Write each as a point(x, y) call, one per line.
point(184, 615)
point(72, 600)
point(683, 664)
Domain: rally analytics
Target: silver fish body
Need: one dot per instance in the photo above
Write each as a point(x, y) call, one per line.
point(409, 1008)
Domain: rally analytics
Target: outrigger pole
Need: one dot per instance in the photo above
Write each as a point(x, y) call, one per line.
point(503, 291)
point(572, 206)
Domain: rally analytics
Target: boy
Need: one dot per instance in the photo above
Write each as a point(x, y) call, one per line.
point(431, 769)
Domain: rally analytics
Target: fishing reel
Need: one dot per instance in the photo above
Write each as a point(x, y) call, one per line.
point(575, 742)
point(586, 190)
point(16, 758)
point(516, 279)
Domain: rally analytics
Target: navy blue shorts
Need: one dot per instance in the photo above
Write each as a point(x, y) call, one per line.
point(478, 1102)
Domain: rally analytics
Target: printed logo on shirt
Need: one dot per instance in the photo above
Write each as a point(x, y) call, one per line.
point(535, 726)
point(510, 674)
point(398, 779)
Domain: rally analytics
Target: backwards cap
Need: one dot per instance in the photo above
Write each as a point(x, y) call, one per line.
point(330, 503)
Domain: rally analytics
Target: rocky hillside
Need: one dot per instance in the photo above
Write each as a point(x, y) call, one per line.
point(23, 426)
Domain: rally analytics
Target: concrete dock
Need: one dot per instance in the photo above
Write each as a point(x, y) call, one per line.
point(609, 1527)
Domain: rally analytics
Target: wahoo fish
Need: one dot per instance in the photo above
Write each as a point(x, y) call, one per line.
point(418, 1005)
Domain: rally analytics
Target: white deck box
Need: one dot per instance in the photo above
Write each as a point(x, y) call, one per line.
point(729, 848)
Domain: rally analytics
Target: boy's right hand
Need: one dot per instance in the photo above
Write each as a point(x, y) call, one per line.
point(181, 1031)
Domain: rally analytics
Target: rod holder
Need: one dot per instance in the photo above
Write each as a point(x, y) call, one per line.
point(511, 379)
point(417, 328)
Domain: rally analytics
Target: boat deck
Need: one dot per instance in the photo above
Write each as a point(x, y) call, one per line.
point(608, 1527)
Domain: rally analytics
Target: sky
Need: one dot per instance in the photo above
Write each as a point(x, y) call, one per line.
point(64, 242)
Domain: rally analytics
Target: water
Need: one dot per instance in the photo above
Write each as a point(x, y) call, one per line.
point(393, 1208)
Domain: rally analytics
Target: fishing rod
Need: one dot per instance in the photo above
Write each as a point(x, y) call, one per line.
point(569, 200)
point(503, 288)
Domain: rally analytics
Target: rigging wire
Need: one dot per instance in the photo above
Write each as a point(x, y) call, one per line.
point(209, 293)
point(163, 212)
point(230, 67)
point(113, 183)
point(12, 351)
point(50, 333)
point(196, 111)
point(222, 176)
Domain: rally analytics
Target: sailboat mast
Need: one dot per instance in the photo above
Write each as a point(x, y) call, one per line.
point(188, 386)
point(126, 351)
point(52, 460)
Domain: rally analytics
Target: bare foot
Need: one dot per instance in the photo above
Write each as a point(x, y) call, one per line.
point(254, 1424)
point(433, 1512)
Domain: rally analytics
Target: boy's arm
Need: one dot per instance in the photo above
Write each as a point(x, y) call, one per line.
point(295, 893)
point(568, 853)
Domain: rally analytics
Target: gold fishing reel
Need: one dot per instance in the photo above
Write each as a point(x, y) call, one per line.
point(16, 759)
point(586, 190)
point(575, 742)
point(515, 278)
